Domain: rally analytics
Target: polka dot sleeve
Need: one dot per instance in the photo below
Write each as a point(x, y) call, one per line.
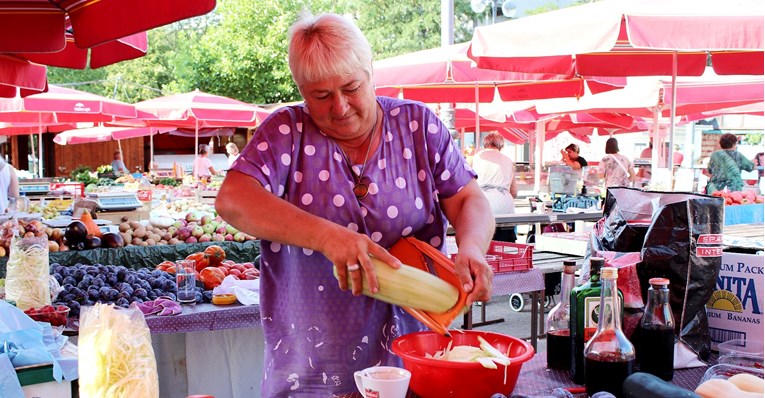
point(450, 170)
point(268, 154)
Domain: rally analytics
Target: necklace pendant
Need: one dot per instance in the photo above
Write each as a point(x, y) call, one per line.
point(360, 190)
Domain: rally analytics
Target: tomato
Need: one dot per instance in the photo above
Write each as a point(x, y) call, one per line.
point(223, 269)
point(235, 272)
point(201, 260)
point(251, 274)
point(216, 254)
point(228, 262)
point(239, 267)
point(248, 265)
point(163, 266)
point(211, 277)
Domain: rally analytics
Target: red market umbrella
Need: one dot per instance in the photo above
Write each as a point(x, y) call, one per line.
point(628, 38)
point(101, 134)
point(446, 74)
point(197, 110)
point(41, 25)
point(21, 76)
point(62, 105)
point(111, 52)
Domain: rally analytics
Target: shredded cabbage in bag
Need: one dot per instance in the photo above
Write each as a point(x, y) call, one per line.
point(116, 357)
point(28, 272)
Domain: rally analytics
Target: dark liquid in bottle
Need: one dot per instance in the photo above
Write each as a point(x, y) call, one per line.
point(656, 351)
point(606, 375)
point(559, 349)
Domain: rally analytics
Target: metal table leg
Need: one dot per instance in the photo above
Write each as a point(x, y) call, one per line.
point(534, 318)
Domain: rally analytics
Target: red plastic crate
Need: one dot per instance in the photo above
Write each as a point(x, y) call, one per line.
point(508, 257)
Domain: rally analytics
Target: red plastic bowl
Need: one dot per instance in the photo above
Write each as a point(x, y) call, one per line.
point(437, 378)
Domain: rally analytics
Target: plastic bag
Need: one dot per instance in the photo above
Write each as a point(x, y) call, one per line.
point(27, 273)
point(116, 356)
point(679, 237)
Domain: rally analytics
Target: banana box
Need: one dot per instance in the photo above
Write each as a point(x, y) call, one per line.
point(735, 308)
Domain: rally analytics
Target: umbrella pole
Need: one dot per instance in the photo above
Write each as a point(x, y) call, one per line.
point(119, 147)
point(673, 105)
point(39, 145)
point(32, 147)
point(196, 145)
point(539, 140)
point(151, 148)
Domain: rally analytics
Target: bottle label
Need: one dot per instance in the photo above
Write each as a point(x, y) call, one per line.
point(592, 314)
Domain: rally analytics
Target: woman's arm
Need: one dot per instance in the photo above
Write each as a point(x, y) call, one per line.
point(13, 187)
point(513, 185)
point(470, 214)
point(212, 170)
point(245, 204)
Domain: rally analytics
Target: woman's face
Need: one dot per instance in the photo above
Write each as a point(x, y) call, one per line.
point(572, 154)
point(344, 106)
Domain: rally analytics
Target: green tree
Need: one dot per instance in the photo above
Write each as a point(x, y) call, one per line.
point(399, 27)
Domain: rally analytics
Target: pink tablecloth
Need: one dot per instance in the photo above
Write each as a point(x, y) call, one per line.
point(206, 317)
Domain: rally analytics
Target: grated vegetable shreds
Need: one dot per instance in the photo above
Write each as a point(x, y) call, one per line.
point(27, 273)
point(116, 359)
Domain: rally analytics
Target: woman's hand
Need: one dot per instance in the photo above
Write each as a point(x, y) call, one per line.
point(474, 273)
point(349, 251)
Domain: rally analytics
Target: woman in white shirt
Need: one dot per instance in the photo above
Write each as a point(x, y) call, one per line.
point(496, 176)
point(233, 153)
point(9, 184)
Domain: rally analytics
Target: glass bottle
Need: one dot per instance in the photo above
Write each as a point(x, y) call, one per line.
point(589, 291)
point(657, 332)
point(609, 357)
point(558, 333)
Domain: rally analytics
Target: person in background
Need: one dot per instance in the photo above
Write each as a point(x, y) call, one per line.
point(118, 166)
point(203, 168)
point(496, 177)
point(759, 162)
point(725, 166)
point(9, 184)
point(615, 167)
point(233, 153)
point(644, 171)
point(337, 179)
point(677, 157)
point(571, 157)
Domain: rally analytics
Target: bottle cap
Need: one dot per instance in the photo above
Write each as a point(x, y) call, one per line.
point(659, 281)
point(609, 273)
point(596, 263)
point(569, 262)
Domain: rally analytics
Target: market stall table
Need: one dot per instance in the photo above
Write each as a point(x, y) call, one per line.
point(536, 379)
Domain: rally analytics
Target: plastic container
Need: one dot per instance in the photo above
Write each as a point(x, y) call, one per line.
point(434, 378)
point(740, 346)
point(725, 371)
point(507, 257)
point(56, 317)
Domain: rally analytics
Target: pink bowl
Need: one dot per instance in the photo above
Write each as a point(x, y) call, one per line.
point(437, 378)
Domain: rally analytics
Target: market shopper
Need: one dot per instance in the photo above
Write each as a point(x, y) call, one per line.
point(328, 183)
point(496, 177)
point(118, 166)
point(616, 168)
point(233, 153)
point(725, 166)
point(570, 156)
point(203, 168)
point(9, 184)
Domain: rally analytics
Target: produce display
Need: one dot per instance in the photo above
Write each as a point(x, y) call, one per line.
point(212, 267)
point(741, 385)
point(86, 285)
point(739, 197)
point(27, 281)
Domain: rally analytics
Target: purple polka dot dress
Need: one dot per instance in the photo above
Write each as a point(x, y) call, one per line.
point(317, 335)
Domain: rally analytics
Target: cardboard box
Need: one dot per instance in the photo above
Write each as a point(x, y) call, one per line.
point(735, 308)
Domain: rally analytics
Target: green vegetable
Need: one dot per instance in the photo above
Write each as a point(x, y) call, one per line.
point(646, 385)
